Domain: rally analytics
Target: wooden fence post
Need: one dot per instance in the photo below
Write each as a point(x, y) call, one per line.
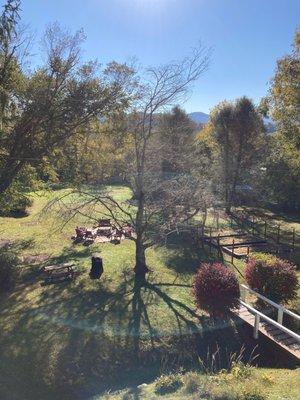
point(293, 240)
point(265, 229)
point(232, 251)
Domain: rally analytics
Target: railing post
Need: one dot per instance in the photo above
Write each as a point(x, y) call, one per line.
point(278, 234)
point(243, 294)
point(265, 233)
point(293, 240)
point(256, 326)
point(280, 316)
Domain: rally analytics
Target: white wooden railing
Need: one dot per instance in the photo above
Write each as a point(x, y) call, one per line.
point(259, 315)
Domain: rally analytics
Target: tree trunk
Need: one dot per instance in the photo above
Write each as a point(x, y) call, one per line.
point(228, 208)
point(228, 202)
point(140, 268)
point(232, 194)
point(226, 173)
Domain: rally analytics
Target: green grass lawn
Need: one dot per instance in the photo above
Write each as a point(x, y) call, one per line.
point(75, 339)
point(271, 384)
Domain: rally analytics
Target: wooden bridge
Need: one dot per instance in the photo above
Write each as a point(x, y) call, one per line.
point(261, 323)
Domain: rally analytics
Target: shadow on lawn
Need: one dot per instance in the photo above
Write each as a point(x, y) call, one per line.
point(73, 344)
point(70, 253)
point(187, 255)
point(274, 214)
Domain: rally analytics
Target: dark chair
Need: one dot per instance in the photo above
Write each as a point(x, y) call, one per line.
point(97, 267)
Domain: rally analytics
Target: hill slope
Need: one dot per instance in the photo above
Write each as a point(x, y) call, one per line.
point(199, 117)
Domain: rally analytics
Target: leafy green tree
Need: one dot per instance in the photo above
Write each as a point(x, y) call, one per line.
point(10, 71)
point(177, 133)
point(280, 183)
point(41, 111)
point(238, 134)
point(284, 96)
point(15, 200)
point(96, 153)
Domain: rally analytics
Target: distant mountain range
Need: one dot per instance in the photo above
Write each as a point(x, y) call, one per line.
point(202, 118)
point(199, 117)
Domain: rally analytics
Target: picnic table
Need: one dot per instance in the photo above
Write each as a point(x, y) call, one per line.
point(91, 232)
point(58, 272)
point(104, 230)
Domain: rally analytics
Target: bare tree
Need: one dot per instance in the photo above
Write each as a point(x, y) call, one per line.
point(159, 202)
point(166, 86)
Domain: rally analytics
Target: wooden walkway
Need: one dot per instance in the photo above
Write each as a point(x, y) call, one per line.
point(282, 339)
point(261, 323)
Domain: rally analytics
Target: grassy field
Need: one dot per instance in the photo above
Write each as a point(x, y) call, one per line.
point(73, 340)
point(270, 384)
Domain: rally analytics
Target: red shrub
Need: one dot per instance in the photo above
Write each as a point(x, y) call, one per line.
point(216, 289)
point(272, 277)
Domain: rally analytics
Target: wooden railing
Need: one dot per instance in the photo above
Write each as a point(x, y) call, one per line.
point(259, 315)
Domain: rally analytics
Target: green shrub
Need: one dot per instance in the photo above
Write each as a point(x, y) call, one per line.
point(240, 370)
point(15, 200)
point(272, 277)
point(128, 396)
point(14, 203)
point(191, 382)
point(8, 269)
point(168, 384)
point(252, 395)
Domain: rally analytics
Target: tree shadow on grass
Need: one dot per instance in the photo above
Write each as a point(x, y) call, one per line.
point(70, 253)
point(75, 343)
point(30, 272)
point(275, 214)
point(187, 255)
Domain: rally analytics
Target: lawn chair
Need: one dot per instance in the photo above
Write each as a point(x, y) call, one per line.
point(97, 267)
point(80, 232)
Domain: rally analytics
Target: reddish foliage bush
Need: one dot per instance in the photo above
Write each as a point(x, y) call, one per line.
point(216, 289)
point(272, 277)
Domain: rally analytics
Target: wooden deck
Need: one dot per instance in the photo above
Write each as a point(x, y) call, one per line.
point(283, 339)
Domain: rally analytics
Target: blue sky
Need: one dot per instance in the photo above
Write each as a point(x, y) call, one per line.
point(247, 36)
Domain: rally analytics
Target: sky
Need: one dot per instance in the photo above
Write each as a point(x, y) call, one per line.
point(247, 37)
